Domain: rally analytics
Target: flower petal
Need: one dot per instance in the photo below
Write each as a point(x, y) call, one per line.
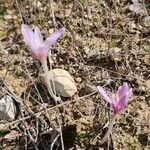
point(53, 38)
point(114, 100)
point(104, 94)
point(38, 38)
point(114, 104)
point(42, 53)
point(122, 102)
point(28, 35)
point(122, 90)
point(130, 93)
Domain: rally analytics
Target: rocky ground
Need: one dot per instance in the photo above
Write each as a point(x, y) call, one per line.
point(105, 43)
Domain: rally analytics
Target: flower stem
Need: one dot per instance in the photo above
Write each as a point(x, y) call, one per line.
point(48, 84)
point(50, 62)
point(109, 129)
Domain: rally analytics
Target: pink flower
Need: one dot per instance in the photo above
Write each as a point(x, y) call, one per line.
point(35, 41)
point(119, 100)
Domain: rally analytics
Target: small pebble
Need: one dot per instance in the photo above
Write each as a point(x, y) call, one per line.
point(7, 17)
point(146, 21)
point(78, 79)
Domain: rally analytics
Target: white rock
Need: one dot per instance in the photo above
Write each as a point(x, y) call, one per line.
point(64, 83)
point(138, 8)
point(7, 108)
point(7, 17)
point(93, 53)
point(115, 50)
point(146, 21)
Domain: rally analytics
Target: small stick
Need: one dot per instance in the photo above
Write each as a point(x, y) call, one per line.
point(109, 129)
point(60, 130)
point(45, 69)
point(50, 62)
point(52, 8)
point(54, 141)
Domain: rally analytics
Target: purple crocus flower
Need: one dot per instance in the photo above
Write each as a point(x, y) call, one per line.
point(119, 100)
point(35, 41)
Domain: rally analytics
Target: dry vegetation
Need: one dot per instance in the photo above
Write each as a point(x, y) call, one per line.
point(106, 43)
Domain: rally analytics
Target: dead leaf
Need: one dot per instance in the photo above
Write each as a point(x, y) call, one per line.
point(12, 135)
point(64, 83)
point(7, 108)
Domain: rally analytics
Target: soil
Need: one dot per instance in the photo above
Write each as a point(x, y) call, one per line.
point(105, 43)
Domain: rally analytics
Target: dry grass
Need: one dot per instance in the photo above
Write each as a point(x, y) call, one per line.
point(104, 44)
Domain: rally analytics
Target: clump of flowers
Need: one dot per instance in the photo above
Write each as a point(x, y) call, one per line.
point(40, 48)
point(117, 101)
